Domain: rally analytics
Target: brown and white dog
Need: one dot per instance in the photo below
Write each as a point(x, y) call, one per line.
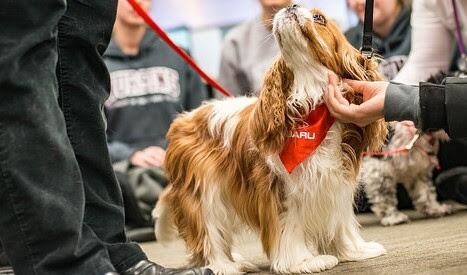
point(225, 171)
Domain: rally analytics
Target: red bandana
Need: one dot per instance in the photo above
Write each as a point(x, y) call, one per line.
point(305, 140)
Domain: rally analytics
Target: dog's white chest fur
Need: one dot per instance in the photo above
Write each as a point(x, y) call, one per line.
point(317, 187)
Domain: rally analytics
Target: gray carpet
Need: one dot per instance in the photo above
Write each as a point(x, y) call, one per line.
point(423, 246)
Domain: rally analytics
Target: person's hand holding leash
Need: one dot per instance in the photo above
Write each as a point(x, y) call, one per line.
point(370, 110)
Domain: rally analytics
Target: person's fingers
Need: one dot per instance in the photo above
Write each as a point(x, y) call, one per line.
point(333, 79)
point(155, 150)
point(357, 85)
point(368, 89)
point(148, 160)
point(341, 98)
point(140, 162)
point(365, 88)
point(152, 149)
point(329, 98)
point(333, 84)
point(158, 159)
point(336, 109)
point(157, 154)
point(340, 108)
point(361, 115)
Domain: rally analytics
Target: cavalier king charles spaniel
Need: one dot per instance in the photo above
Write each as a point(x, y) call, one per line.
point(228, 161)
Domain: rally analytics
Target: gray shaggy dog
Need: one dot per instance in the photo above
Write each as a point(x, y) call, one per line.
point(413, 169)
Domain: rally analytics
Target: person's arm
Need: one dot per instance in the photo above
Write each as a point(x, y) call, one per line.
point(456, 106)
point(424, 105)
point(391, 101)
point(431, 44)
point(429, 106)
point(401, 102)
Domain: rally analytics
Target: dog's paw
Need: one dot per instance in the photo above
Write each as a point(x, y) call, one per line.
point(394, 218)
point(439, 210)
point(244, 265)
point(225, 268)
point(366, 250)
point(315, 264)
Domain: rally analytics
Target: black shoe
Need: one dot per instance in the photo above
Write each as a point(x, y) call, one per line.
point(6, 270)
point(149, 268)
point(452, 184)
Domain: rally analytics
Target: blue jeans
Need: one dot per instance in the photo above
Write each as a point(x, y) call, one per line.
point(60, 205)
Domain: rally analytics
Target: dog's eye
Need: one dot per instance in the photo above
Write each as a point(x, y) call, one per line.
point(318, 18)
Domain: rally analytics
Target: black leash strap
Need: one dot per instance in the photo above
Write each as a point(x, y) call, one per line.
point(367, 41)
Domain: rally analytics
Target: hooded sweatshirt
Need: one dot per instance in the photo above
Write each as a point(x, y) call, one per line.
point(248, 51)
point(147, 91)
point(394, 48)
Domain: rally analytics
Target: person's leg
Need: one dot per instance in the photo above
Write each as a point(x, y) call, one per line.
point(41, 189)
point(5, 267)
point(3, 257)
point(84, 84)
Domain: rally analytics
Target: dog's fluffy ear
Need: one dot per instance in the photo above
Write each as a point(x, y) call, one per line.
point(375, 135)
point(356, 66)
point(370, 138)
point(270, 133)
point(440, 135)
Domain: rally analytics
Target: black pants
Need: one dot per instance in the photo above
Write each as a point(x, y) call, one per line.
point(60, 206)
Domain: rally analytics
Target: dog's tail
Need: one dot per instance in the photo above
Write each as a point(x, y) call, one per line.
point(164, 227)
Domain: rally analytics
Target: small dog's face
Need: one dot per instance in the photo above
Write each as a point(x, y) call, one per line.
point(310, 38)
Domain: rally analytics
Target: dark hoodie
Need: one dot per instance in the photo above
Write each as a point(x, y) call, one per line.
point(395, 48)
point(148, 90)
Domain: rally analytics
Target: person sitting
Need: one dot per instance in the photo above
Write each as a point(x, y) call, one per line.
point(150, 85)
point(248, 50)
point(392, 32)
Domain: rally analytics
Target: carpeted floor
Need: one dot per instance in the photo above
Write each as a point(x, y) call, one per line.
point(423, 246)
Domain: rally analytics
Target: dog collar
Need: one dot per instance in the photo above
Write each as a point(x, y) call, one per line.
point(306, 139)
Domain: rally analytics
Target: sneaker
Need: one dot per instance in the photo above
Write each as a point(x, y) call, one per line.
point(146, 267)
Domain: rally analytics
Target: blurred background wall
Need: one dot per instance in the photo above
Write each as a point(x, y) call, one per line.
point(200, 25)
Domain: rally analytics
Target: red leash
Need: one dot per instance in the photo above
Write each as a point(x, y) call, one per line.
point(163, 35)
point(406, 149)
point(385, 153)
point(401, 150)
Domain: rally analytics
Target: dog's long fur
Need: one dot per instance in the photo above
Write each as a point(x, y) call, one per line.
point(224, 168)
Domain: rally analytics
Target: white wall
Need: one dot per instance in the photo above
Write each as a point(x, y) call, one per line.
point(206, 50)
point(210, 13)
point(204, 17)
point(203, 13)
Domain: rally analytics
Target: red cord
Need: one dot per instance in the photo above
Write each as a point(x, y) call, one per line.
point(163, 35)
point(401, 150)
point(384, 153)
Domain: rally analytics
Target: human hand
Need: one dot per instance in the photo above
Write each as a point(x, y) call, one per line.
point(369, 111)
point(152, 156)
